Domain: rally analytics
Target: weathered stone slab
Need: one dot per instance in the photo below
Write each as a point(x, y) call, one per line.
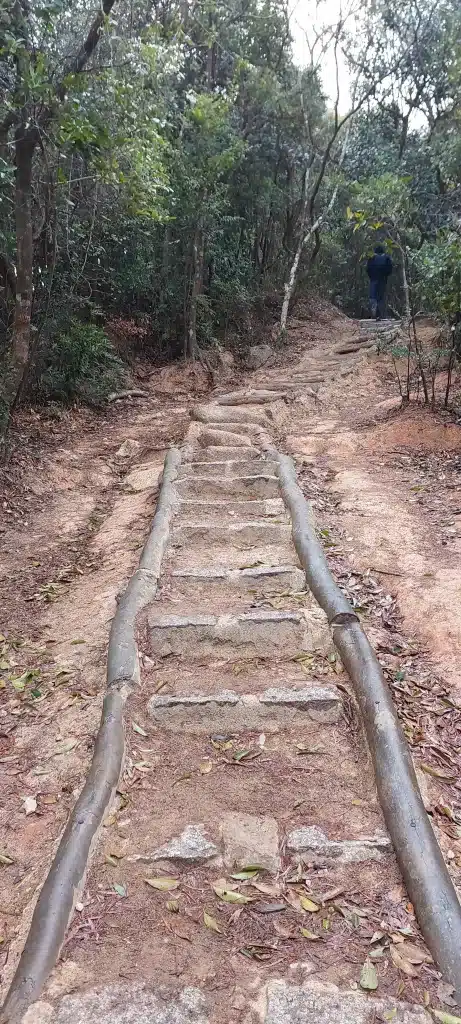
point(126, 1004)
point(233, 534)
point(226, 711)
point(234, 510)
point(312, 842)
point(230, 414)
point(249, 840)
point(228, 467)
point(207, 437)
point(250, 397)
point(191, 847)
point(317, 1003)
point(256, 486)
point(265, 577)
point(253, 634)
point(215, 452)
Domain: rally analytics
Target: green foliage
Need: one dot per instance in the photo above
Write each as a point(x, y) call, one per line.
point(168, 172)
point(80, 363)
point(438, 264)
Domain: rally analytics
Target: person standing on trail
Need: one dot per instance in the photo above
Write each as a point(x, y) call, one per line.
point(379, 269)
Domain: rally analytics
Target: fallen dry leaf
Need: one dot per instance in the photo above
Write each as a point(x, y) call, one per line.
point(308, 905)
point(414, 954)
point(211, 922)
point(369, 977)
point(402, 964)
point(310, 935)
point(163, 883)
point(230, 895)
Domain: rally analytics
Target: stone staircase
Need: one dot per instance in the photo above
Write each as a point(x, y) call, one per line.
point(256, 796)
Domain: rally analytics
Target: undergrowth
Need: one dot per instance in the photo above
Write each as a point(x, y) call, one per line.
point(80, 363)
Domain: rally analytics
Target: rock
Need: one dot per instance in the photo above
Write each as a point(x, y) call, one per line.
point(225, 359)
point(258, 355)
point(129, 448)
point(250, 840)
point(65, 977)
point(229, 414)
point(312, 841)
point(224, 438)
point(39, 1013)
point(131, 1004)
point(192, 847)
point(228, 712)
point(144, 478)
point(316, 1003)
point(254, 634)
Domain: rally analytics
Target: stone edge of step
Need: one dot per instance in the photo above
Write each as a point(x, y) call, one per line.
point(313, 1002)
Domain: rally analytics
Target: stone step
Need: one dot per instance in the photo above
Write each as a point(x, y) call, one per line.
point(233, 510)
point(256, 486)
point(232, 414)
point(311, 844)
point(227, 711)
point(261, 633)
point(242, 535)
point(276, 579)
point(250, 397)
point(215, 438)
point(311, 382)
point(228, 467)
point(251, 433)
point(230, 558)
point(313, 1002)
point(215, 452)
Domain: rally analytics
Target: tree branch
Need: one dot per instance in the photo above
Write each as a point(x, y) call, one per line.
point(77, 63)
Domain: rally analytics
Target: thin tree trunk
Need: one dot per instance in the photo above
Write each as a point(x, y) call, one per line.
point(197, 284)
point(25, 142)
point(406, 287)
point(307, 207)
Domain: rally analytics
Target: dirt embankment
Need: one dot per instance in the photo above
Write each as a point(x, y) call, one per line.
point(78, 494)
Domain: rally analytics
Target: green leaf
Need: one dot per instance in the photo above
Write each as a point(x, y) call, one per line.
point(446, 1018)
point(120, 889)
point(369, 977)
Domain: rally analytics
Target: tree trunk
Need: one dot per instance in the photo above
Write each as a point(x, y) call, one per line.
point(406, 287)
point(290, 284)
point(25, 142)
point(197, 285)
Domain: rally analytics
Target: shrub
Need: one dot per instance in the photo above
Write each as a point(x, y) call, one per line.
point(80, 363)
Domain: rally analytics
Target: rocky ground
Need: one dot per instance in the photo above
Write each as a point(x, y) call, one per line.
point(244, 872)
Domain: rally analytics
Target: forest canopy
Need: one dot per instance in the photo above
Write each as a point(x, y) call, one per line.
point(168, 161)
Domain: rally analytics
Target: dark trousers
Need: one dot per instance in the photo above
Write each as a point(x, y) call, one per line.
point(378, 298)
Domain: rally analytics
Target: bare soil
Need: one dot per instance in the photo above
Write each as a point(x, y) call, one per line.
point(385, 487)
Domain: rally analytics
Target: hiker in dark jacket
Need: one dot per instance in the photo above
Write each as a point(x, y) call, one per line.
point(379, 268)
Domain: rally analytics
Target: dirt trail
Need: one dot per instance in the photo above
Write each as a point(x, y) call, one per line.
point(282, 879)
point(75, 516)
